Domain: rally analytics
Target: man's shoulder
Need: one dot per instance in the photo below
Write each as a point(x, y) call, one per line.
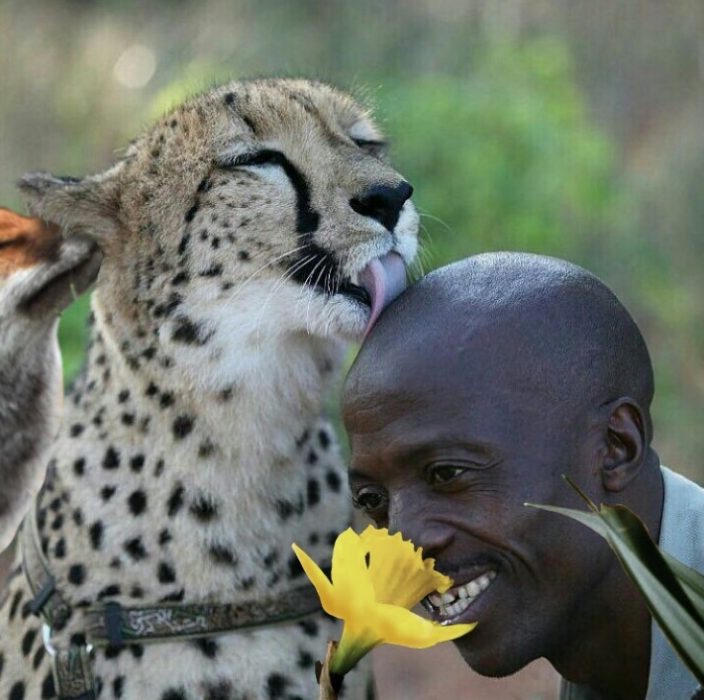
point(682, 526)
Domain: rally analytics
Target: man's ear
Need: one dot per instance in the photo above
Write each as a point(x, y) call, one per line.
point(88, 206)
point(625, 444)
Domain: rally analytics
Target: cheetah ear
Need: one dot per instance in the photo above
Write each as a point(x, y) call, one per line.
point(88, 206)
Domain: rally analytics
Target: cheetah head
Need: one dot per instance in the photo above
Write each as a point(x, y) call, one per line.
point(254, 210)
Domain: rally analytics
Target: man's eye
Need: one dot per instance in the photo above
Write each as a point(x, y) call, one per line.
point(369, 500)
point(444, 473)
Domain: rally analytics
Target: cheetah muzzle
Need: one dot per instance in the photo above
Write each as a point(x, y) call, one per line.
point(246, 238)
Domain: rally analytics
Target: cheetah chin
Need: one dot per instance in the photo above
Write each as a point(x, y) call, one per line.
point(246, 238)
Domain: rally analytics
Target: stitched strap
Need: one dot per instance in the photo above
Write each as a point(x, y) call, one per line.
point(47, 600)
point(116, 625)
point(73, 676)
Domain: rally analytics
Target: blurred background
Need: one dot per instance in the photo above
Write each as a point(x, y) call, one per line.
point(566, 128)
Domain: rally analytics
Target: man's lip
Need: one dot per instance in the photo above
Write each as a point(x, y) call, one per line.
point(459, 601)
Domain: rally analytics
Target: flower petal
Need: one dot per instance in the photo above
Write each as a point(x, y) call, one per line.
point(350, 575)
point(398, 571)
point(326, 592)
point(399, 626)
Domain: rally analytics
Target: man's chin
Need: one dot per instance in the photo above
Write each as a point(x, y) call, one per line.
point(493, 661)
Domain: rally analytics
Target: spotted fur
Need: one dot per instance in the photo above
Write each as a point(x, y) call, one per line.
point(193, 449)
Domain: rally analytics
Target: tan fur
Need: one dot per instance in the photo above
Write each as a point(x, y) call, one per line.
point(193, 449)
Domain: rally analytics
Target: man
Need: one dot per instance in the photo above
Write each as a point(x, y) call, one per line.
point(475, 392)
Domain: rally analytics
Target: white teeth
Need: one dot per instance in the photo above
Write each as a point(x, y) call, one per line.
point(457, 600)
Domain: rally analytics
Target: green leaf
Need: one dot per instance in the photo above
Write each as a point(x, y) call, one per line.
point(673, 592)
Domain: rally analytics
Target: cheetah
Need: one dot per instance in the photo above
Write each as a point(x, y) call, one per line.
point(247, 238)
point(40, 271)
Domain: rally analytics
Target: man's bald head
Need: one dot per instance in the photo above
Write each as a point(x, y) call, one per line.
point(542, 324)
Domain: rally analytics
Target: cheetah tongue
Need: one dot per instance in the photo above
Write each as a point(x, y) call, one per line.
point(384, 279)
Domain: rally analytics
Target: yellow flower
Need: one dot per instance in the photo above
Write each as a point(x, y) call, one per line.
point(376, 578)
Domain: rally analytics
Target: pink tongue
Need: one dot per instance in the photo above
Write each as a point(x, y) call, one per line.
point(384, 279)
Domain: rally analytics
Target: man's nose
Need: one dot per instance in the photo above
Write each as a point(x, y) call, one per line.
point(383, 203)
point(413, 525)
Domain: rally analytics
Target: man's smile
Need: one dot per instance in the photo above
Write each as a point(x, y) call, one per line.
point(447, 607)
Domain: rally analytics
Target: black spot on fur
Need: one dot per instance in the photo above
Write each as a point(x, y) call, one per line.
point(243, 255)
point(111, 459)
point(107, 492)
point(205, 449)
point(16, 600)
point(208, 646)
point(182, 426)
point(203, 508)
point(305, 659)
point(112, 652)
point(78, 513)
point(183, 245)
point(189, 332)
point(77, 574)
point(295, 570)
point(324, 439)
point(174, 694)
point(164, 537)
point(276, 686)
point(79, 466)
point(60, 549)
point(96, 534)
point(165, 573)
point(213, 271)
point(28, 641)
point(37, 659)
point(220, 690)
point(333, 480)
point(222, 555)
point(48, 688)
point(123, 395)
point(112, 590)
point(180, 278)
point(127, 418)
point(137, 502)
point(137, 650)
point(229, 99)
point(76, 429)
point(17, 692)
point(152, 389)
point(190, 215)
point(136, 463)
point(166, 399)
point(313, 492)
point(175, 501)
point(135, 548)
point(309, 627)
point(118, 685)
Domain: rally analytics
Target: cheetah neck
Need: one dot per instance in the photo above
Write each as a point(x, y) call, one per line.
point(208, 488)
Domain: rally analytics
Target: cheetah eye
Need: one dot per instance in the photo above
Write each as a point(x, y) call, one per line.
point(373, 147)
point(264, 157)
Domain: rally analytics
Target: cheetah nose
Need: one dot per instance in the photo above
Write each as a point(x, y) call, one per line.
point(383, 203)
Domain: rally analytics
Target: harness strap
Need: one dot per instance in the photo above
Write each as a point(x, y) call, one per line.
point(115, 625)
point(111, 624)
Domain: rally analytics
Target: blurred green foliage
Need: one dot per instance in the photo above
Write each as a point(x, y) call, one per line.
point(507, 157)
